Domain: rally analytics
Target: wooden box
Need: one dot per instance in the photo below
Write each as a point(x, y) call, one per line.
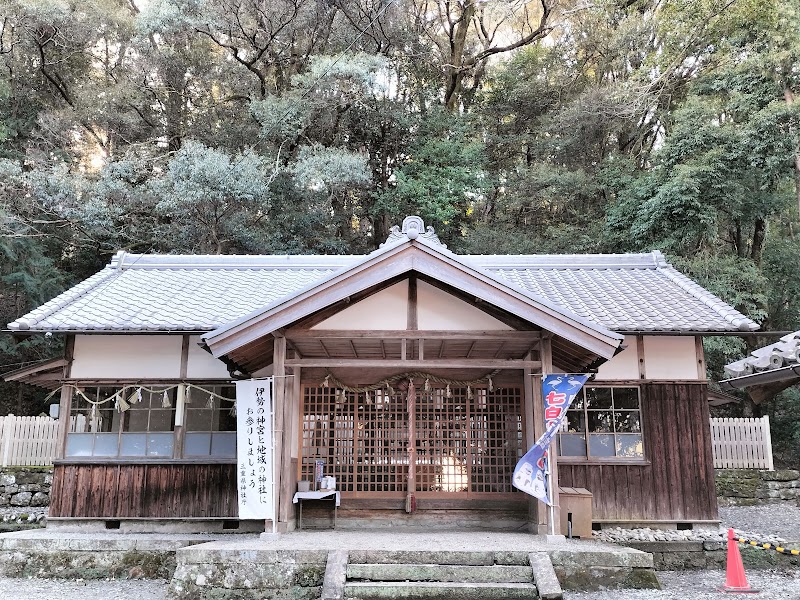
point(576, 506)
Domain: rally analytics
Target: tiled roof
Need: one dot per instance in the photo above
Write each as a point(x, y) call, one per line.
point(624, 293)
point(783, 353)
point(767, 371)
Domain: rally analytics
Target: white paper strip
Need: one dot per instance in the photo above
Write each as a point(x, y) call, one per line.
point(254, 449)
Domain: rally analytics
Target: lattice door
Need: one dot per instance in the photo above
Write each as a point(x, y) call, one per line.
point(466, 442)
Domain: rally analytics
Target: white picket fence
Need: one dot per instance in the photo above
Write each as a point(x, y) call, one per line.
point(28, 441)
point(741, 443)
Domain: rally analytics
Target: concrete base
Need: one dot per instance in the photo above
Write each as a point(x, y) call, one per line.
point(269, 536)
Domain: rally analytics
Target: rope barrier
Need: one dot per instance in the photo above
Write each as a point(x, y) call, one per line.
point(768, 546)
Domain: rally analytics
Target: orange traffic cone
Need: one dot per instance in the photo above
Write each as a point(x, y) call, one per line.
point(735, 579)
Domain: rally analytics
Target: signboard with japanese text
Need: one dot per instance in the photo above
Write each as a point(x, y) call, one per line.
point(530, 474)
point(254, 449)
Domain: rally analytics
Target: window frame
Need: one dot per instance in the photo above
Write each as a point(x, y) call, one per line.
point(78, 406)
point(216, 408)
point(585, 410)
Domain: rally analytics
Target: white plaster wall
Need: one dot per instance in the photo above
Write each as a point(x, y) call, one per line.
point(387, 309)
point(202, 365)
point(438, 310)
point(624, 365)
point(670, 357)
point(665, 357)
point(122, 356)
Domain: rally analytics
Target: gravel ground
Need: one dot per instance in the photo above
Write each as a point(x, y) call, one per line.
point(761, 522)
point(704, 585)
point(781, 520)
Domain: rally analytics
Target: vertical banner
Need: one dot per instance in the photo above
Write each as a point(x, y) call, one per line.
point(254, 449)
point(530, 474)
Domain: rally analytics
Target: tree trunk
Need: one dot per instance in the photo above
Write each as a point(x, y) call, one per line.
point(759, 236)
point(458, 39)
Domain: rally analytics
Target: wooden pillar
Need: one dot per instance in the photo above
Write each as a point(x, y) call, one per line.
point(64, 409)
point(65, 403)
point(534, 427)
point(180, 400)
point(547, 368)
point(289, 475)
point(279, 404)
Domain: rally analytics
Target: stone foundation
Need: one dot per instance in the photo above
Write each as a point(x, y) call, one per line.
point(24, 493)
point(747, 487)
point(685, 556)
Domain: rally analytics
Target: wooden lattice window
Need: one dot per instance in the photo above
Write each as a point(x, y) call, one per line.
point(466, 441)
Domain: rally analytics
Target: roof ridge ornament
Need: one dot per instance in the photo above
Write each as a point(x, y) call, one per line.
point(413, 228)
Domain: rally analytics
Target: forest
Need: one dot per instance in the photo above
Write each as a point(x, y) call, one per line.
point(312, 126)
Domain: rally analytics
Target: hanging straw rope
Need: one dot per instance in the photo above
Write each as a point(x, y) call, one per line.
point(331, 381)
point(122, 404)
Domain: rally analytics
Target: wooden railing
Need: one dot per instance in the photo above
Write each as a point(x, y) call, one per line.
point(28, 441)
point(741, 443)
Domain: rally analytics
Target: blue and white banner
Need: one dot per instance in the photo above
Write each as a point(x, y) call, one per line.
point(530, 474)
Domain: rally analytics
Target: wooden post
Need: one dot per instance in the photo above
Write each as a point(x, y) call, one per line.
point(278, 403)
point(288, 476)
point(547, 368)
point(64, 419)
point(767, 437)
point(412, 446)
point(640, 355)
point(65, 404)
point(701, 362)
point(534, 420)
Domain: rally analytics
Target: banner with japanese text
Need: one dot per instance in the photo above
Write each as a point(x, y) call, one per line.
point(530, 474)
point(254, 449)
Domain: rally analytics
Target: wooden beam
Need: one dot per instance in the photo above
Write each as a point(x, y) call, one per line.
point(478, 363)
point(504, 335)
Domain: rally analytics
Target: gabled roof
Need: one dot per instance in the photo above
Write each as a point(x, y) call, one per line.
point(424, 257)
point(172, 293)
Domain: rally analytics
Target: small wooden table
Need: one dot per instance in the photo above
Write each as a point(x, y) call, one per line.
point(322, 495)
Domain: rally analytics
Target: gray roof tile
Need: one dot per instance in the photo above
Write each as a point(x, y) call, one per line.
point(624, 293)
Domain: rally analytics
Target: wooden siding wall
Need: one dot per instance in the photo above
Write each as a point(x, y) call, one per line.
point(118, 491)
point(678, 484)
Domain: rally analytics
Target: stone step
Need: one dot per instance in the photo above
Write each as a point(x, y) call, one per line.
point(437, 572)
point(430, 590)
point(439, 557)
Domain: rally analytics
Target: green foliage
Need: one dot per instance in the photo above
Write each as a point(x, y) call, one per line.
point(253, 126)
point(785, 426)
point(208, 199)
point(441, 178)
